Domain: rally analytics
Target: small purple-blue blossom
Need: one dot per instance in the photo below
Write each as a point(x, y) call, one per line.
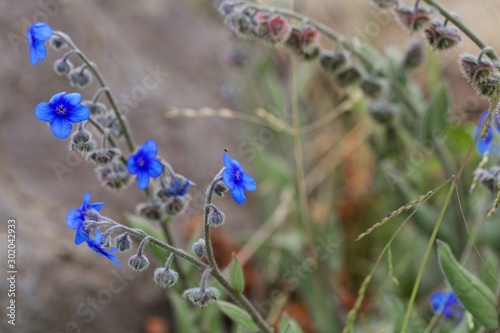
point(487, 144)
point(62, 110)
point(95, 243)
point(179, 187)
point(236, 179)
point(144, 164)
point(447, 304)
point(76, 218)
point(36, 35)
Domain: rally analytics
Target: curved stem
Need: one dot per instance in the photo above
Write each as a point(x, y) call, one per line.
point(97, 73)
point(217, 274)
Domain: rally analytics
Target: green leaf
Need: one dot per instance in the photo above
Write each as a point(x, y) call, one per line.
point(146, 226)
point(238, 315)
point(474, 295)
point(492, 267)
point(236, 275)
point(288, 325)
point(435, 120)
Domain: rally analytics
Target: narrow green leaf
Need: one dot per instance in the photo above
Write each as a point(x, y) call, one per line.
point(435, 120)
point(238, 315)
point(491, 270)
point(474, 295)
point(288, 325)
point(236, 275)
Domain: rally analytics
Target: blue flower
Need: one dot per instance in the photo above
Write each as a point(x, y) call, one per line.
point(144, 164)
point(487, 144)
point(447, 304)
point(36, 35)
point(95, 243)
point(62, 110)
point(178, 186)
point(76, 218)
point(236, 179)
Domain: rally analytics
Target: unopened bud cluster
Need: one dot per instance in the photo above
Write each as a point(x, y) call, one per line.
point(481, 74)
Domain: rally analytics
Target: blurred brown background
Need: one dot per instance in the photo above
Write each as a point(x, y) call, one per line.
point(188, 40)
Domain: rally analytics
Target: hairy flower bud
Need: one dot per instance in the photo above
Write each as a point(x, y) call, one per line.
point(488, 88)
point(382, 111)
point(149, 210)
point(278, 29)
point(96, 109)
point(220, 188)
point(332, 62)
point(441, 37)
point(62, 67)
point(414, 55)
point(123, 242)
point(348, 77)
point(215, 216)
point(199, 248)
point(57, 42)
point(138, 262)
point(113, 176)
point(165, 277)
point(372, 87)
point(81, 141)
point(80, 77)
point(475, 70)
point(201, 297)
point(104, 156)
point(176, 205)
point(414, 19)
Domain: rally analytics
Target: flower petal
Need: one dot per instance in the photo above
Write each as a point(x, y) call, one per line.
point(74, 219)
point(228, 179)
point(56, 99)
point(226, 160)
point(44, 112)
point(249, 183)
point(78, 114)
point(238, 194)
point(40, 31)
point(81, 236)
point(73, 99)
point(61, 127)
point(150, 149)
point(142, 179)
point(155, 168)
point(85, 201)
point(96, 206)
point(132, 166)
point(34, 58)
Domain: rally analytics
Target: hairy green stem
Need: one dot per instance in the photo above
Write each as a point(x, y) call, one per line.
point(177, 265)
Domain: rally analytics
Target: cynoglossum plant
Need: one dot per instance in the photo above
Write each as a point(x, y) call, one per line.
point(115, 170)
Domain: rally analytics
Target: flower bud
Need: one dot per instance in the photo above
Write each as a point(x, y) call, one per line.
point(441, 37)
point(331, 62)
point(414, 19)
point(414, 55)
point(372, 87)
point(278, 29)
point(199, 248)
point(96, 109)
point(113, 176)
point(165, 277)
point(348, 77)
point(80, 77)
point(138, 262)
point(62, 67)
point(475, 70)
point(149, 210)
point(81, 141)
point(382, 111)
point(215, 216)
point(201, 297)
point(176, 205)
point(57, 42)
point(123, 242)
point(103, 156)
point(220, 188)
point(488, 88)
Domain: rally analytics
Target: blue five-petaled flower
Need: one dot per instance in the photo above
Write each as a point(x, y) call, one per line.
point(447, 304)
point(144, 164)
point(77, 216)
point(62, 110)
point(487, 145)
point(36, 35)
point(236, 179)
point(76, 221)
